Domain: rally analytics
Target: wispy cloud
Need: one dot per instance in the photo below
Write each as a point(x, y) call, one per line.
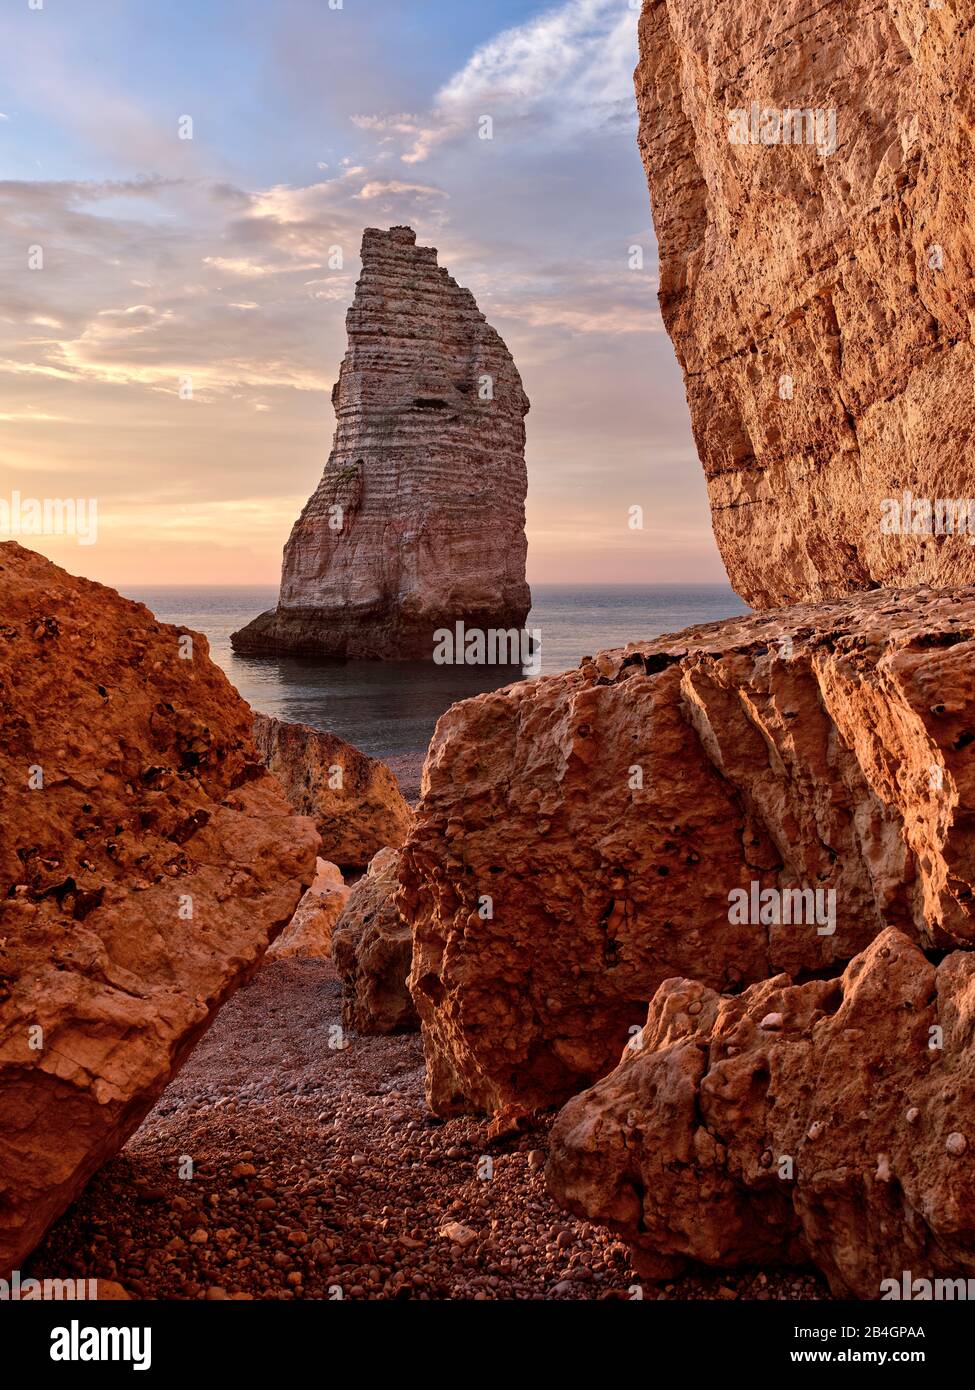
point(565, 71)
point(178, 250)
point(385, 188)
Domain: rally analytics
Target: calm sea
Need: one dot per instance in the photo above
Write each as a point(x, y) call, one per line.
point(390, 708)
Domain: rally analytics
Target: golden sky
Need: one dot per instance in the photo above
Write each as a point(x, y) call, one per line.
point(210, 260)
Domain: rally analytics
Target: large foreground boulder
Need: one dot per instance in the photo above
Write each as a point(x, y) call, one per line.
point(585, 836)
point(309, 933)
point(810, 168)
point(146, 861)
point(372, 947)
point(355, 800)
point(831, 1122)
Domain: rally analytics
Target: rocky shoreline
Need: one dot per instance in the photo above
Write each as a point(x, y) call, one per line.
point(656, 980)
point(319, 1171)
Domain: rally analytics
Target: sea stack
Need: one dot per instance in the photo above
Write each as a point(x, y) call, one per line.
point(419, 520)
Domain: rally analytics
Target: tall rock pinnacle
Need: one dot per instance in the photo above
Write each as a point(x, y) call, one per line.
point(419, 519)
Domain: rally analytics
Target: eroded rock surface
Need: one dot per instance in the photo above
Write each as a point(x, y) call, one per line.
point(372, 947)
point(309, 933)
point(355, 800)
point(818, 292)
point(580, 836)
point(419, 519)
point(147, 860)
point(829, 1122)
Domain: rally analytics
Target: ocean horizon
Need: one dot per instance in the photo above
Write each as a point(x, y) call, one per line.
point(391, 708)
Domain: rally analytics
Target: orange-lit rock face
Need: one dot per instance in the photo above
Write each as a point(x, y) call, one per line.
point(355, 800)
point(309, 933)
point(419, 519)
point(819, 295)
point(146, 862)
point(580, 836)
point(372, 947)
point(828, 1122)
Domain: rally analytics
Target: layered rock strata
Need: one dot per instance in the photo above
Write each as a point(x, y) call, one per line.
point(585, 836)
point(147, 860)
point(372, 947)
point(419, 519)
point(809, 170)
point(829, 1122)
point(354, 800)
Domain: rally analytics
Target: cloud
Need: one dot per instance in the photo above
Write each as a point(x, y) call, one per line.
point(560, 74)
point(233, 262)
point(29, 416)
point(379, 188)
point(605, 318)
point(584, 51)
point(240, 265)
point(179, 245)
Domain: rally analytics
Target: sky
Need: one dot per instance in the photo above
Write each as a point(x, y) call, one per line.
point(173, 177)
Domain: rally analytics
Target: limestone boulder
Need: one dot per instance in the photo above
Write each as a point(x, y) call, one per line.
point(309, 933)
point(831, 1122)
point(146, 862)
point(354, 800)
point(688, 807)
point(372, 947)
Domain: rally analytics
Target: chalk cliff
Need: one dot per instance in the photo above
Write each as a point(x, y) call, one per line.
point(419, 519)
point(810, 169)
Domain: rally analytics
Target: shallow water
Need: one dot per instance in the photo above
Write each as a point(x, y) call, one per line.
point(386, 708)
